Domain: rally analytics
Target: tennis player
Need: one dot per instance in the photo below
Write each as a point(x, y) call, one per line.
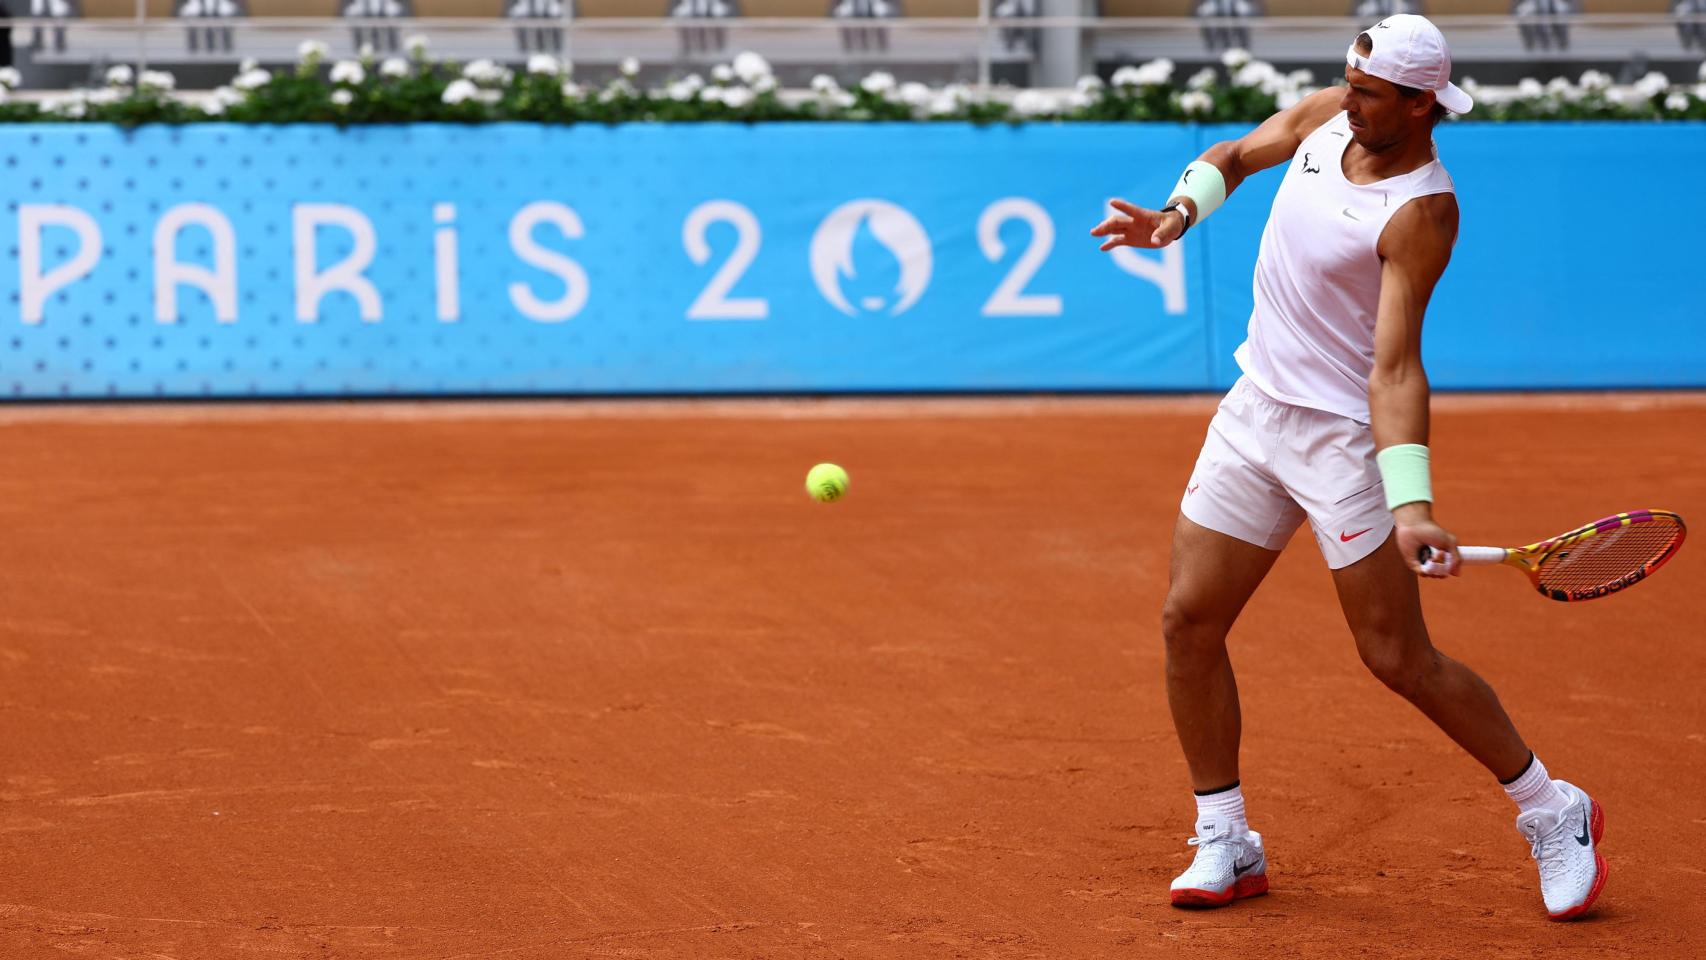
point(1330, 422)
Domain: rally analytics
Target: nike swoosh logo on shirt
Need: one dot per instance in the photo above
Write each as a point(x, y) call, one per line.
point(1348, 537)
point(1347, 212)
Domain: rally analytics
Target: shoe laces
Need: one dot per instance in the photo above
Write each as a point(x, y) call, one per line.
point(1547, 847)
point(1220, 847)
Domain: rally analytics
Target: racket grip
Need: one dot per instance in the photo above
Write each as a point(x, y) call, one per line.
point(1434, 563)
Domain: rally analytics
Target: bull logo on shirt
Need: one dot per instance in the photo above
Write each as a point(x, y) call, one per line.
point(1307, 168)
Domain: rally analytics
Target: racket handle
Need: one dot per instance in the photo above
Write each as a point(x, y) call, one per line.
point(1434, 561)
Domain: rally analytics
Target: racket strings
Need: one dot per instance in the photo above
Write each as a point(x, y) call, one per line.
point(1609, 557)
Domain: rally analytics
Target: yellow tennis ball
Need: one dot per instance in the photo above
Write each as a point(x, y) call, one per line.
point(826, 482)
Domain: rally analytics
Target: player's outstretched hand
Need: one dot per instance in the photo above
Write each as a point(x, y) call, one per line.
point(1414, 537)
point(1134, 226)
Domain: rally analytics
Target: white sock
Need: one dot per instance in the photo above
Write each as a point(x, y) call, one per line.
point(1533, 789)
point(1225, 804)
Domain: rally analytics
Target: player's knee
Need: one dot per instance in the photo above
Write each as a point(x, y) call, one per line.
point(1190, 636)
point(1398, 662)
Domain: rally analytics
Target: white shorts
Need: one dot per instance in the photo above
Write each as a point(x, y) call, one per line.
point(1266, 465)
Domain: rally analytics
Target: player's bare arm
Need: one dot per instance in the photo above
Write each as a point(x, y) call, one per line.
point(1414, 250)
point(1272, 143)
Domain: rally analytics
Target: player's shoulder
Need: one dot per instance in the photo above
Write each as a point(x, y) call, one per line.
point(1424, 228)
point(1314, 111)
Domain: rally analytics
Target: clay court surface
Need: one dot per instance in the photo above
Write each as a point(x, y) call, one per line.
point(597, 680)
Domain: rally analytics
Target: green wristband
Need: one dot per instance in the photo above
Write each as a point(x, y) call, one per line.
point(1205, 185)
point(1404, 471)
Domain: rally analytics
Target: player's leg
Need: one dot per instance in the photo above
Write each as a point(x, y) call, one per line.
point(1562, 823)
point(1210, 579)
point(1329, 468)
point(1383, 607)
point(1234, 518)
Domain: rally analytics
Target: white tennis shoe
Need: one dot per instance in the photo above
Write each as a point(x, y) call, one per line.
point(1566, 848)
point(1229, 866)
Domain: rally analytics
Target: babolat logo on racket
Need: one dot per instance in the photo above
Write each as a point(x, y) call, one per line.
point(1607, 588)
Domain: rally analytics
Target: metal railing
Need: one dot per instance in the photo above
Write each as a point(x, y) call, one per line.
point(973, 48)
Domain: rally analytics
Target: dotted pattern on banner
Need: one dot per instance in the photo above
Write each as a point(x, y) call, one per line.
point(632, 187)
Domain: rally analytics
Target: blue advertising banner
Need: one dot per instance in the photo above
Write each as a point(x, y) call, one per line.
point(224, 260)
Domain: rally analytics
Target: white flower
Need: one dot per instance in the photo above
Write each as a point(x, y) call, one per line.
point(311, 52)
point(722, 73)
point(1562, 88)
point(10, 78)
point(1701, 76)
point(842, 100)
point(1620, 95)
point(1194, 102)
point(1079, 100)
point(1156, 72)
point(879, 83)
point(751, 68)
point(543, 64)
point(711, 94)
point(417, 45)
point(1256, 73)
point(943, 104)
point(106, 95)
point(913, 94)
point(763, 84)
point(823, 84)
point(1677, 101)
point(1594, 80)
point(1301, 78)
point(1288, 98)
point(459, 91)
point(343, 98)
point(630, 67)
point(1089, 83)
point(247, 64)
point(619, 87)
point(1470, 86)
point(214, 107)
point(488, 96)
point(250, 79)
point(738, 97)
point(394, 67)
point(1202, 79)
point(1652, 84)
point(1700, 91)
point(680, 91)
point(1528, 88)
point(156, 80)
point(364, 53)
point(1035, 103)
point(1235, 58)
point(348, 71)
point(226, 97)
point(74, 107)
point(572, 90)
point(487, 73)
point(1127, 77)
point(120, 75)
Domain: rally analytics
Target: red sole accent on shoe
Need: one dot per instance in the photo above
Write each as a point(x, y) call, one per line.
point(1192, 898)
point(1596, 829)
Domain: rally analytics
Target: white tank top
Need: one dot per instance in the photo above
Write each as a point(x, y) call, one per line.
point(1311, 339)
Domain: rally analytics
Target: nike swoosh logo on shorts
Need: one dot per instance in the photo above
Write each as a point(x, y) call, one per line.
point(1348, 537)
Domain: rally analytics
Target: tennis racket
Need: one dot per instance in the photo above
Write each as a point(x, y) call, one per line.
point(1593, 561)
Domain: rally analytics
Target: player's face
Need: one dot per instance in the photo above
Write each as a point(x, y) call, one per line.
point(1379, 115)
